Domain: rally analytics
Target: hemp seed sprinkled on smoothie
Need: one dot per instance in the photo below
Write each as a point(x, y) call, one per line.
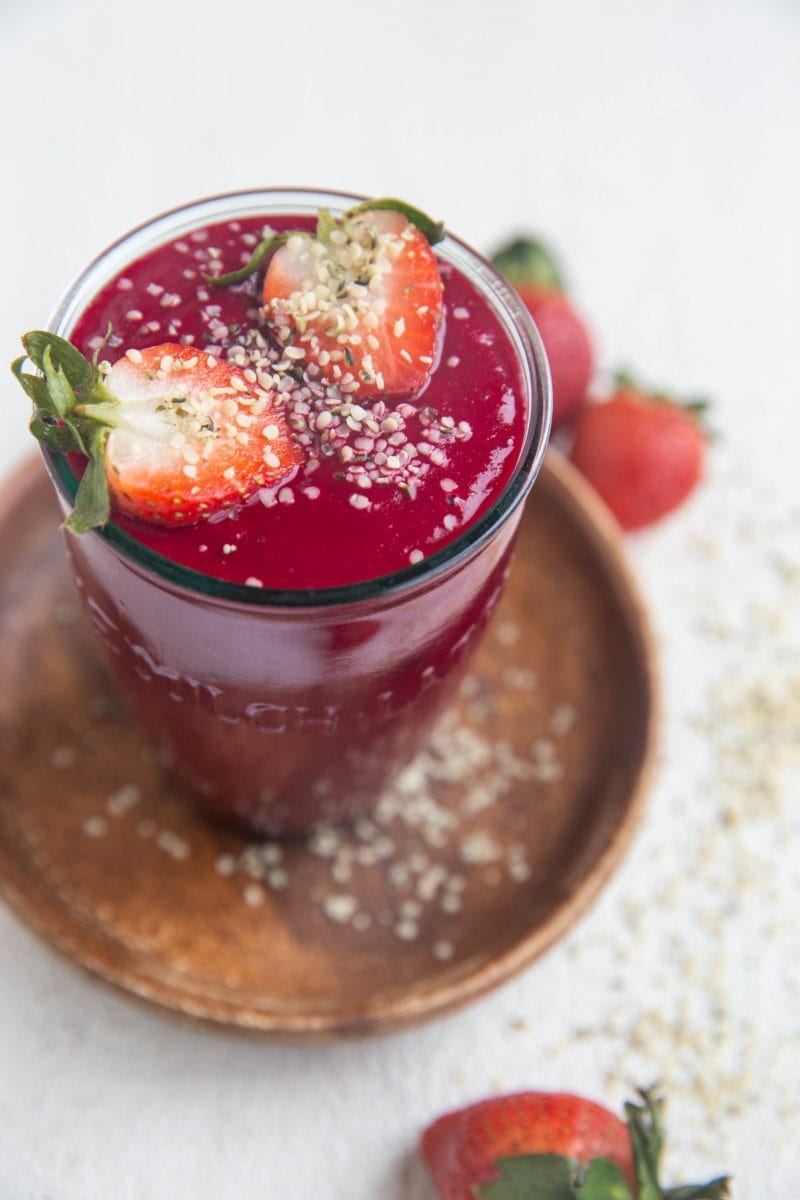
point(323, 344)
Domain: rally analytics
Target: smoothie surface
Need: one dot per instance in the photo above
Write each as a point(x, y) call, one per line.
point(450, 449)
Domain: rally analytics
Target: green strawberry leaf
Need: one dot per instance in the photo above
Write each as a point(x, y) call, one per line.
point(432, 231)
point(72, 410)
point(626, 381)
point(256, 259)
point(91, 507)
point(58, 386)
point(61, 438)
point(79, 373)
point(528, 263)
point(78, 435)
point(326, 223)
point(35, 387)
point(698, 407)
point(69, 396)
point(715, 1189)
point(532, 1177)
point(647, 1138)
point(645, 1125)
point(604, 1181)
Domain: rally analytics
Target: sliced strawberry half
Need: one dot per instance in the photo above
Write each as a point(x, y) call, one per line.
point(173, 434)
point(192, 435)
point(362, 300)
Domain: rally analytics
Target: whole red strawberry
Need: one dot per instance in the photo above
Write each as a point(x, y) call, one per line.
point(463, 1148)
point(545, 1146)
point(533, 272)
point(641, 451)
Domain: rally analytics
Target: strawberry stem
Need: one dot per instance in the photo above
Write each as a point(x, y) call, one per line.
point(432, 231)
point(101, 413)
point(256, 259)
point(645, 1124)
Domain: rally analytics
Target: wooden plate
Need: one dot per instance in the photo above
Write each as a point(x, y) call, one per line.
point(493, 844)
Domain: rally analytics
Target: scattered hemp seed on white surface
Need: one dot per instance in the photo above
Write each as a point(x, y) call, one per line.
point(718, 861)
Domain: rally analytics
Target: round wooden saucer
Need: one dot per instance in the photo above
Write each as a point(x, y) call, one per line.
point(490, 847)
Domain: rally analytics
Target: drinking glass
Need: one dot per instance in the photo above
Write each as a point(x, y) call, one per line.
point(281, 709)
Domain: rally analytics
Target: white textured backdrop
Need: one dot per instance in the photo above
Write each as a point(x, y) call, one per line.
point(656, 146)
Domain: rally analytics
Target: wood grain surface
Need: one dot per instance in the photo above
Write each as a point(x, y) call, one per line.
point(101, 854)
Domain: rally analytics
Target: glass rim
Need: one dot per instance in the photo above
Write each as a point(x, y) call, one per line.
point(506, 305)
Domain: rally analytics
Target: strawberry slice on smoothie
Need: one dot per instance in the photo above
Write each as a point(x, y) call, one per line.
point(359, 301)
point(172, 435)
point(362, 300)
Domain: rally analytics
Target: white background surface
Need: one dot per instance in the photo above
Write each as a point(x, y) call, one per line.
point(656, 146)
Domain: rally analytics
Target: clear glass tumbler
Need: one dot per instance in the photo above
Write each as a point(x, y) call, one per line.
point(283, 709)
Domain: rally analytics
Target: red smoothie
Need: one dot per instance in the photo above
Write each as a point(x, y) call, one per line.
point(460, 439)
point(289, 655)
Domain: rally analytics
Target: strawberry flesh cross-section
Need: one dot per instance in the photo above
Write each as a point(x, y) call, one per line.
point(170, 434)
point(191, 435)
point(361, 300)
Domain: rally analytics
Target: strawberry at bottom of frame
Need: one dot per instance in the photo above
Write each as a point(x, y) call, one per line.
point(554, 1146)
